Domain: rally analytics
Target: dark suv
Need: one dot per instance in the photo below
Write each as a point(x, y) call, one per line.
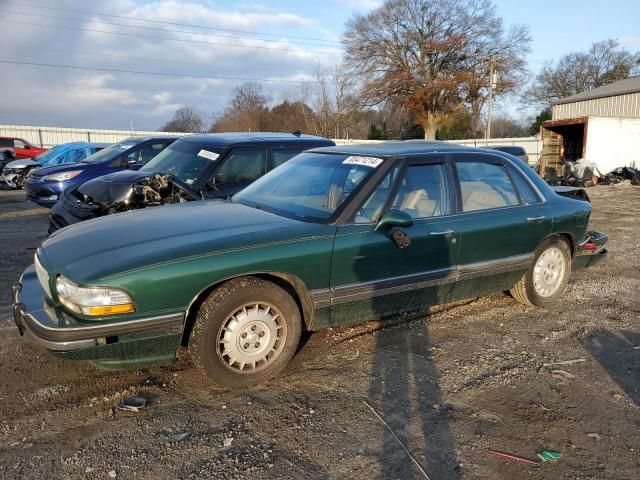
point(194, 167)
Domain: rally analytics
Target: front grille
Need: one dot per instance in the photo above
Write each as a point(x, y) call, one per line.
point(43, 276)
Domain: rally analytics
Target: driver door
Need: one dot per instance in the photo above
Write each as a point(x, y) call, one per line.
point(371, 276)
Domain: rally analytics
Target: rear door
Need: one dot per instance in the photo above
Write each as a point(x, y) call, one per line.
point(371, 276)
point(239, 168)
point(503, 219)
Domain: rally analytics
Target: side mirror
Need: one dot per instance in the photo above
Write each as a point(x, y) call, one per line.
point(394, 218)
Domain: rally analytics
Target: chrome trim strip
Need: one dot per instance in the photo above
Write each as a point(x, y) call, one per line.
point(91, 332)
point(356, 291)
point(64, 346)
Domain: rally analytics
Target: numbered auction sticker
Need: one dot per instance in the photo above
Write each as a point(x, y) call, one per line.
point(372, 162)
point(208, 154)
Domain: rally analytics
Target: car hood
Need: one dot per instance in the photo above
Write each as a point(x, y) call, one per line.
point(62, 168)
point(116, 187)
point(22, 163)
point(89, 251)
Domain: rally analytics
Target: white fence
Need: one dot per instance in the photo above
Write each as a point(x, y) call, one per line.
point(49, 136)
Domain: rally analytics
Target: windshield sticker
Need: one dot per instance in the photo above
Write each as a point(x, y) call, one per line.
point(208, 154)
point(372, 162)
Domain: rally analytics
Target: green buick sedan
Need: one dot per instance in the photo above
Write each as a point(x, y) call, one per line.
point(335, 236)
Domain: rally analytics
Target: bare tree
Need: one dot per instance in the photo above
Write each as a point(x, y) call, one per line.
point(186, 120)
point(430, 56)
point(576, 72)
point(247, 110)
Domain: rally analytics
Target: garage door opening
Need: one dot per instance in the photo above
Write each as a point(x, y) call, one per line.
point(562, 141)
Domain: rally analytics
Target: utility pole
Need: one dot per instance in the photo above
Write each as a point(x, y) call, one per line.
point(493, 80)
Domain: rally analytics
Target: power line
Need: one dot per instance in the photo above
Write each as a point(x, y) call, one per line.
point(187, 32)
point(162, 74)
point(123, 57)
point(138, 35)
point(46, 7)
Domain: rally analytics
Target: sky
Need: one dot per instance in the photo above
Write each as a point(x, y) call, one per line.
point(278, 42)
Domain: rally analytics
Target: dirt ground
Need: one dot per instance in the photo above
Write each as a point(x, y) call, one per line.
point(451, 386)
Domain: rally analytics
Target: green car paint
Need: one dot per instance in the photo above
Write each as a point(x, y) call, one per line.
point(167, 259)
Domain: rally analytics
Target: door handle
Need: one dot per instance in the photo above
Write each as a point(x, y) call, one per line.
point(442, 233)
point(535, 219)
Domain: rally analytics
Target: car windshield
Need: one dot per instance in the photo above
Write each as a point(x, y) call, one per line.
point(49, 157)
point(311, 186)
point(187, 161)
point(112, 151)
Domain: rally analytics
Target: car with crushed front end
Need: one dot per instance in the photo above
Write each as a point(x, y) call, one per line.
point(194, 167)
point(45, 185)
point(335, 236)
point(15, 172)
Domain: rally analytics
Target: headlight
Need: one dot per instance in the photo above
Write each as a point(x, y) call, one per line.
point(61, 177)
point(93, 301)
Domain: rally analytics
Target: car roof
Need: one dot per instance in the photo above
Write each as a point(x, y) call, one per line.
point(152, 137)
point(74, 144)
point(392, 148)
point(235, 138)
point(497, 147)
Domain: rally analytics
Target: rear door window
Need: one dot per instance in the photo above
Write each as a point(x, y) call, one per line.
point(485, 185)
point(528, 196)
point(6, 142)
point(148, 151)
point(242, 165)
point(280, 156)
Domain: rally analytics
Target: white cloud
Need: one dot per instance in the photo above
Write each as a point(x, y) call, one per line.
point(79, 98)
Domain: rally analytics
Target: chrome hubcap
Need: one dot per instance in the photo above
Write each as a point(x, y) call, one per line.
point(251, 338)
point(548, 272)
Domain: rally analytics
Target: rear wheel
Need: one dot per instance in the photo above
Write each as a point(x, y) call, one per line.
point(245, 332)
point(547, 277)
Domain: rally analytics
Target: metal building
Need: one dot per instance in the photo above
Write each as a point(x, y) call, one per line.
point(601, 125)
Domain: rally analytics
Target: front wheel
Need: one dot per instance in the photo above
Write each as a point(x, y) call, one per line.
point(245, 332)
point(547, 278)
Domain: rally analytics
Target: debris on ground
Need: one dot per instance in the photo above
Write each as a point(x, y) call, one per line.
point(563, 362)
point(398, 440)
point(178, 437)
point(564, 373)
point(227, 441)
point(595, 436)
point(509, 456)
point(549, 455)
point(620, 175)
point(132, 404)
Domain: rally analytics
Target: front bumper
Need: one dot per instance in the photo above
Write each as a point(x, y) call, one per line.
point(60, 217)
point(592, 250)
point(45, 194)
point(58, 331)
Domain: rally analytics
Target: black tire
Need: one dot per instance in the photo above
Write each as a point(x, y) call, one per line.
point(525, 291)
point(219, 309)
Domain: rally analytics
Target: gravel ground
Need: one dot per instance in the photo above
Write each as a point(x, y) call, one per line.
point(450, 385)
